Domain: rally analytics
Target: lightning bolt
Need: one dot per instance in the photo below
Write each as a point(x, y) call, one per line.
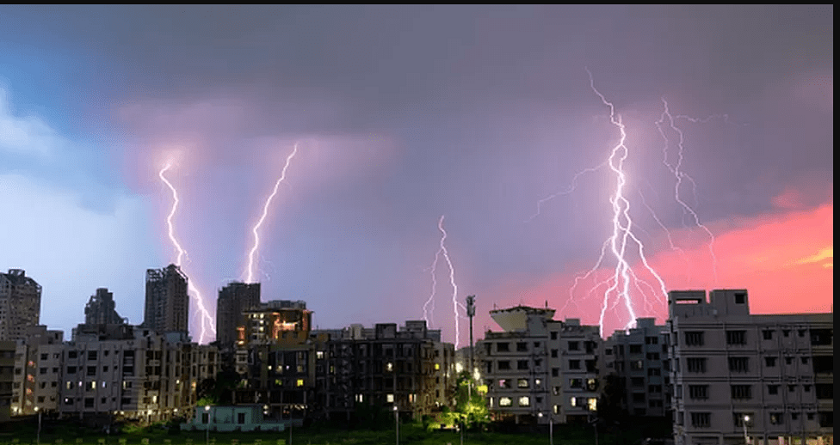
point(624, 279)
point(455, 304)
point(429, 306)
point(249, 272)
point(668, 119)
point(206, 318)
point(571, 188)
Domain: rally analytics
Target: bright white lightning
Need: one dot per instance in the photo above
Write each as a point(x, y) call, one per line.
point(429, 306)
point(204, 315)
point(670, 120)
point(623, 277)
point(571, 188)
point(249, 272)
point(455, 304)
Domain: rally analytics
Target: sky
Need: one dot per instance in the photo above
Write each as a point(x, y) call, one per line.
point(687, 147)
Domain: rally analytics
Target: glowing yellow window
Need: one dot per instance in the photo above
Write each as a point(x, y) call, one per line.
point(299, 382)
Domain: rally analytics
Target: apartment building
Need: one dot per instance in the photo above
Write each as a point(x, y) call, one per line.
point(38, 371)
point(639, 358)
point(737, 376)
point(20, 304)
point(406, 368)
point(167, 302)
point(540, 370)
point(7, 366)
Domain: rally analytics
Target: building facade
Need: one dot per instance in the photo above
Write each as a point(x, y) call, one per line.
point(639, 358)
point(234, 299)
point(540, 370)
point(737, 376)
point(101, 309)
point(38, 364)
point(167, 301)
point(20, 304)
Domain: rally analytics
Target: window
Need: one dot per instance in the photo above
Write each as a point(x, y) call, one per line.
point(555, 372)
point(524, 401)
point(736, 337)
point(240, 418)
point(652, 356)
point(205, 418)
point(772, 390)
point(791, 388)
point(504, 383)
point(826, 419)
point(637, 365)
point(739, 364)
point(825, 391)
point(788, 360)
point(696, 364)
point(553, 353)
point(638, 397)
point(804, 360)
point(536, 344)
point(635, 349)
point(522, 383)
point(821, 337)
point(591, 384)
point(770, 362)
point(502, 347)
point(574, 346)
point(554, 335)
point(637, 382)
point(71, 369)
point(651, 340)
point(522, 364)
point(767, 334)
point(522, 347)
point(655, 389)
point(575, 383)
point(44, 356)
point(91, 355)
point(653, 372)
point(72, 354)
point(504, 365)
point(91, 370)
point(504, 401)
point(574, 364)
point(741, 392)
point(740, 298)
point(694, 338)
point(389, 398)
point(698, 392)
point(89, 402)
point(701, 420)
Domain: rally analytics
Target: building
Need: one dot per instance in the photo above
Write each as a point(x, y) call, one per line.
point(233, 300)
point(407, 369)
point(20, 304)
point(38, 371)
point(639, 358)
point(241, 418)
point(738, 376)
point(167, 302)
point(101, 309)
point(539, 370)
point(7, 366)
point(116, 372)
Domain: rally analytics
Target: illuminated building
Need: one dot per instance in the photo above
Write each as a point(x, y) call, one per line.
point(233, 300)
point(767, 377)
point(167, 301)
point(539, 369)
point(639, 357)
point(20, 304)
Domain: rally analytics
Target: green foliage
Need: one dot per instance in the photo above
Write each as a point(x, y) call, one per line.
point(470, 410)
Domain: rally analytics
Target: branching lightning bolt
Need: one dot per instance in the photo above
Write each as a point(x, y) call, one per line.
point(668, 119)
point(206, 319)
point(455, 304)
point(249, 272)
point(571, 188)
point(623, 279)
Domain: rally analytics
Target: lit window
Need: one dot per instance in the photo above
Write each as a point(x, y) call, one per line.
point(390, 398)
point(389, 366)
point(524, 401)
point(592, 404)
point(299, 382)
point(504, 401)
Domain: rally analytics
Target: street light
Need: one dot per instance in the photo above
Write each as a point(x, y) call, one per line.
point(397, 423)
point(746, 438)
point(207, 430)
point(38, 437)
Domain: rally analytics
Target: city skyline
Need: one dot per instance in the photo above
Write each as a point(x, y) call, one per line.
point(401, 116)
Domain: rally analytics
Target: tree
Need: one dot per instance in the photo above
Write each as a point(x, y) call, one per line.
point(470, 409)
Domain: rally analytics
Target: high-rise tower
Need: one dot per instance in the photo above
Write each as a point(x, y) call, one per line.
point(167, 301)
point(101, 308)
point(233, 299)
point(20, 304)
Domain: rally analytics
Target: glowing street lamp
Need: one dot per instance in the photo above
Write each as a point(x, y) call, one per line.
point(397, 422)
point(746, 438)
point(207, 431)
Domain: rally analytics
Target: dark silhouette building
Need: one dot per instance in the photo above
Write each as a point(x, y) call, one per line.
point(234, 299)
point(101, 309)
point(167, 301)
